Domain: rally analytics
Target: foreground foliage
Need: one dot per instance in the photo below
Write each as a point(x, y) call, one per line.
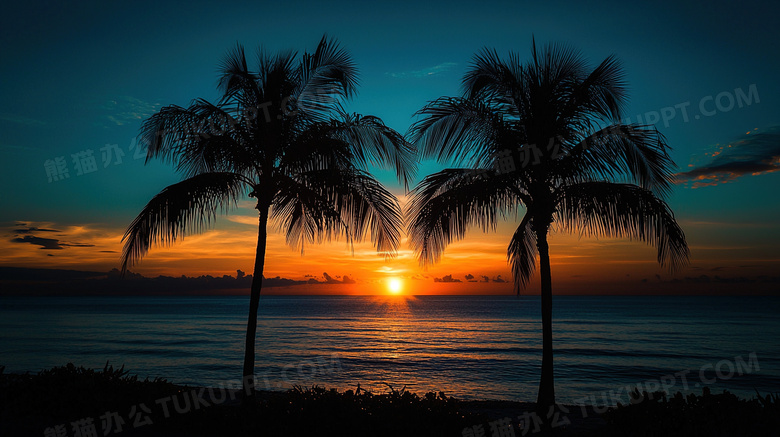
point(29, 404)
point(692, 415)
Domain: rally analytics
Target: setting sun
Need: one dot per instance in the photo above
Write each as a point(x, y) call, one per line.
point(394, 285)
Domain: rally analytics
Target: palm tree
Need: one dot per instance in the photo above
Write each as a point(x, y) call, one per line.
point(543, 137)
point(279, 134)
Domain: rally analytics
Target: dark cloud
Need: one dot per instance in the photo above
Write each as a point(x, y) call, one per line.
point(499, 279)
point(31, 229)
point(485, 278)
point(18, 280)
point(753, 154)
point(469, 277)
point(447, 278)
point(331, 280)
point(45, 243)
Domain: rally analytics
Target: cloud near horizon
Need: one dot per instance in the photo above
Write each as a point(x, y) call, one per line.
point(21, 280)
point(753, 154)
point(331, 280)
point(446, 278)
point(470, 278)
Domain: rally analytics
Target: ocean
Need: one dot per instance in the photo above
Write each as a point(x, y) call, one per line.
point(470, 347)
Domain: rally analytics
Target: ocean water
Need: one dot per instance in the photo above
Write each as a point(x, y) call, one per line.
point(467, 346)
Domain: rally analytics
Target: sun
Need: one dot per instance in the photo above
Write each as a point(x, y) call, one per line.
point(395, 285)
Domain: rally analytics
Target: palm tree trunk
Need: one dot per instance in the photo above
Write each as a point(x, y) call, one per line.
point(546, 395)
point(254, 303)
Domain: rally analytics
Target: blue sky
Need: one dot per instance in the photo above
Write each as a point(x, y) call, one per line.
point(78, 77)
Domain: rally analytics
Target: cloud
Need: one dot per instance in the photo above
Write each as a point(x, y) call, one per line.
point(447, 278)
point(425, 72)
point(469, 277)
point(331, 280)
point(126, 109)
point(45, 243)
point(39, 281)
point(753, 154)
point(485, 278)
point(18, 119)
point(499, 279)
point(31, 229)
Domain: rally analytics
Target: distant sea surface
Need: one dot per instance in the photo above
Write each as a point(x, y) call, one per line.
point(467, 346)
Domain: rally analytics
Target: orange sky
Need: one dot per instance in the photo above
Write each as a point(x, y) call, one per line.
point(579, 265)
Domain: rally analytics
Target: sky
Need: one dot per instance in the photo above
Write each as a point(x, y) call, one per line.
point(79, 79)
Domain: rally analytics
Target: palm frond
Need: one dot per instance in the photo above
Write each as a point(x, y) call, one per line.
point(201, 138)
point(326, 77)
point(490, 77)
point(236, 81)
point(183, 208)
point(315, 148)
point(521, 253)
point(368, 207)
point(278, 76)
point(445, 204)
point(625, 211)
point(458, 130)
point(556, 65)
point(374, 145)
point(331, 202)
point(602, 93)
point(634, 152)
point(304, 214)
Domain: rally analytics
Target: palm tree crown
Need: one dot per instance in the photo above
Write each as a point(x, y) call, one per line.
point(280, 135)
point(541, 138)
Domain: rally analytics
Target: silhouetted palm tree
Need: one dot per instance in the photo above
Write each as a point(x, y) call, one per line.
point(545, 137)
point(280, 135)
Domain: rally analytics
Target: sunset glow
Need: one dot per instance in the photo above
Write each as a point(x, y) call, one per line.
point(721, 131)
point(395, 286)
